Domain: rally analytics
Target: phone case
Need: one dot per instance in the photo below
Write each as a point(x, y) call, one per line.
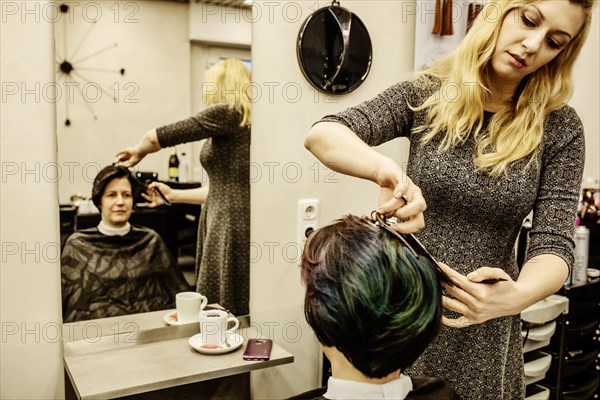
point(258, 350)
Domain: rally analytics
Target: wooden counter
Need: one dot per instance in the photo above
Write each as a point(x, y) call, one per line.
point(139, 353)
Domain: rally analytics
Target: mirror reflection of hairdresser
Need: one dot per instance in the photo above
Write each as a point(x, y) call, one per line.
point(492, 138)
point(117, 268)
point(374, 308)
point(223, 249)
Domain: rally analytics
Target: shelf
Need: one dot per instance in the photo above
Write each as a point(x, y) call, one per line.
point(536, 366)
point(546, 310)
point(537, 392)
point(538, 336)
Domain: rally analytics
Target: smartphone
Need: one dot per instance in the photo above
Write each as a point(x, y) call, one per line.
point(258, 350)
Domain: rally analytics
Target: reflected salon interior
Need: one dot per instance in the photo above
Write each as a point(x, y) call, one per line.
point(112, 265)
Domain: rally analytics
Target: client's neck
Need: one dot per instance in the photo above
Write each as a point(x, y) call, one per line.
point(111, 230)
point(341, 368)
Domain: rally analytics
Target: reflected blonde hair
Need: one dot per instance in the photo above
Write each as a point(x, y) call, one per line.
point(228, 82)
point(515, 131)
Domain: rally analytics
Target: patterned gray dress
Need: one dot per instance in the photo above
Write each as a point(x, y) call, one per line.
point(223, 250)
point(473, 220)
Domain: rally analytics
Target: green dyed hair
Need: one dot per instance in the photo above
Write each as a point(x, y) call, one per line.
point(367, 296)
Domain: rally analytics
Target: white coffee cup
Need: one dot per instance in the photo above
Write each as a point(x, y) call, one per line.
point(189, 305)
point(213, 326)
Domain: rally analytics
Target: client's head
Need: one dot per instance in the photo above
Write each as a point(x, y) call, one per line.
point(113, 193)
point(368, 297)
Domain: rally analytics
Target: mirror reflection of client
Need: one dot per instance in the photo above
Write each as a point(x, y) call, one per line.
point(223, 249)
point(117, 268)
point(374, 308)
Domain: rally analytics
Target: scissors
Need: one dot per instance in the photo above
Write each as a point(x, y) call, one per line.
point(416, 247)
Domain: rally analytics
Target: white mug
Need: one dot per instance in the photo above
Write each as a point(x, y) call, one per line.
point(189, 305)
point(213, 326)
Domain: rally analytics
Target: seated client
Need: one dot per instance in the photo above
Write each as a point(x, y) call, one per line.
point(374, 307)
point(117, 268)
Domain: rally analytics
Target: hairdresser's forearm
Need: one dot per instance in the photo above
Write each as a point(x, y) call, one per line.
point(540, 277)
point(189, 196)
point(148, 144)
point(340, 149)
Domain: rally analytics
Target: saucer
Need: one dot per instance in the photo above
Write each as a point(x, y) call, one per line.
point(171, 319)
point(232, 342)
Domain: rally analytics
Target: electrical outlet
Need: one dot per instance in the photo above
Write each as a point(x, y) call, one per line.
point(307, 219)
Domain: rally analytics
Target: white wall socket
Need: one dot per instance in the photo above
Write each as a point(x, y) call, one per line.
point(307, 219)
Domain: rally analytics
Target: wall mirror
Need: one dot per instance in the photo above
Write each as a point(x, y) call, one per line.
point(122, 68)
point(334, 50)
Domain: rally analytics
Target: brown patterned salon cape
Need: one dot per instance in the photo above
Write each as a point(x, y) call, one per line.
point(105, 276)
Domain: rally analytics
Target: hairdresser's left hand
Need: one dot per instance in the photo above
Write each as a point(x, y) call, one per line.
point(479, 302)
point(153, 198)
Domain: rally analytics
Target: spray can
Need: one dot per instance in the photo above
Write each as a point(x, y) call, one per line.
point(582, 245)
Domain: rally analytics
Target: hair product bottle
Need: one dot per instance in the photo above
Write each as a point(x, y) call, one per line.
point(174, 166)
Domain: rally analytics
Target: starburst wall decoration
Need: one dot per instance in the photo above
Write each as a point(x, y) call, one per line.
point(70, 72)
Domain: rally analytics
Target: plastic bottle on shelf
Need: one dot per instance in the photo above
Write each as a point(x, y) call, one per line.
point(184, 168)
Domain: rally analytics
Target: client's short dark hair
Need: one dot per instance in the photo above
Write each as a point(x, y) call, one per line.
point(378, 304)
point(106, 175)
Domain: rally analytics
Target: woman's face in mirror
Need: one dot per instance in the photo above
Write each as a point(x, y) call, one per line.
point(116, 203)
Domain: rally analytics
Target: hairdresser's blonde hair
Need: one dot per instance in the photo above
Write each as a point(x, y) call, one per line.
point(228, 82)
point(515, 132)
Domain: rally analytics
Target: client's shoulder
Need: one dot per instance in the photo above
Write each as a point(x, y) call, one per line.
point(83, 234)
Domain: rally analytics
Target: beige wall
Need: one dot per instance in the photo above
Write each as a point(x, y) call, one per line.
point(153, 46)
point(30, 311)
point(208, 21)
point(586, 99)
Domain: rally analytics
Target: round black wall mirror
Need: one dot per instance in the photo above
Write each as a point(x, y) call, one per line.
point(334, 50)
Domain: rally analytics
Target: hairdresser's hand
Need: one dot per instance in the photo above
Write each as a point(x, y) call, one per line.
point(401, 198)
point(130, 156)
point(154, 199)
point(478, 302)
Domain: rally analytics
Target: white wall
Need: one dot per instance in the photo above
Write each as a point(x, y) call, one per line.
point(586, 98)
point(214, 24)
point(154, 49)
point(30, 301)
point(284, 172)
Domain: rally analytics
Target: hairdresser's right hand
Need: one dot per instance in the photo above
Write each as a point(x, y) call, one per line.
point(153, 198)
point(129, 157)
point(401, 198)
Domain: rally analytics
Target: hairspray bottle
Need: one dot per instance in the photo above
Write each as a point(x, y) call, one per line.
point(582, 246)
